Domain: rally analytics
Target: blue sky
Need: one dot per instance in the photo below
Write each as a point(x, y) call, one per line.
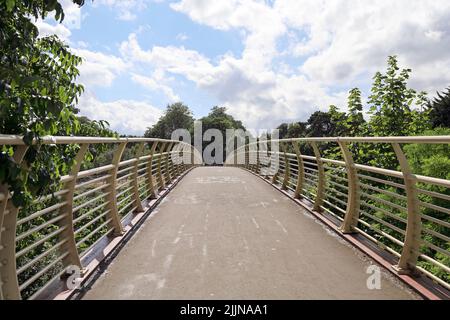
point(266, 61)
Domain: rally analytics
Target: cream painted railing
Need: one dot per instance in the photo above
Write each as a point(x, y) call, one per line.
point(394, 209)
point(91, 205)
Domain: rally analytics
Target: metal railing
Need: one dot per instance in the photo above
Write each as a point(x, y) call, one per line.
point(404, 213)
point(91, 204)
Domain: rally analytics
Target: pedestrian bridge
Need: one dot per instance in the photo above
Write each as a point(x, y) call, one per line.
point(146, 224)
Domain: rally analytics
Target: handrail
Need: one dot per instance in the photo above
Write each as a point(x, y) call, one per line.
point(18, 140)
point(392, 208)
point(93, 207)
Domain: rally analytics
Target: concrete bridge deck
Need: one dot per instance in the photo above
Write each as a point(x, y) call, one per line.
point(224, 234)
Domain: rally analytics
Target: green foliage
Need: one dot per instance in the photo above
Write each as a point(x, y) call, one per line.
point(355, 123)
point(395, 110)
point(440, 110)
point(38, 93)
point(220, 120)
point(177, 116)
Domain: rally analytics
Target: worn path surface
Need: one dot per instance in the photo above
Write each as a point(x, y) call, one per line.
point(222, 233)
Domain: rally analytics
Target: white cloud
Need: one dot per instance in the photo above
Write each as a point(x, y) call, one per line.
point(47, 29)
point(125, 116)
point(296, 52)
point(336, 43)
point(99, 69)
point(156, 82)
point(126, 9)
point(182, 37)
point(259, 97)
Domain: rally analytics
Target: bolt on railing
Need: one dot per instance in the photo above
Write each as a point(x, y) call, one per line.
point(60, 230)
point(404, 213)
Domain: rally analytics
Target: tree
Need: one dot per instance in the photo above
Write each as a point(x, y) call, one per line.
point(219, 119)
point(355, 120)
point(283, 130)
point(326, 124)
point(440, 110)
point(392, 100)
point(38, 94)
point(396, 110)
point(177, 116)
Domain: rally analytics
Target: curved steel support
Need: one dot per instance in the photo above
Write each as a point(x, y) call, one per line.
point(162, 184)
point(286, 168)
point(136, 197)
point(321, 179)
point(9, 284)
point(150, 186)
point(113, 213)
point(353, 196)
point(167, 174)
point(411, 246)
point(300, 171)
point(70, 245)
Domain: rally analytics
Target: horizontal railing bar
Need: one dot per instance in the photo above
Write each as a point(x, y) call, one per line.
point(436, 234)
point(387, 182)
point(383, 222)
point(39, 257)
point(84, 215)
point(435, 220)
point(83, 227)
point(388, 213)
point(85, 204)
point(436, 248)
point(89, 182)
point(379, 243)
point(50, 196)
point(90, 172)
point(89, 192)
point(123, 192)
point(381, 232)
point(42, 271)
point(90, 234)
point(18, 140)
point(40, 227)
point(434, 194)
point(40, 241)
point(42, 212)
point(435, 262)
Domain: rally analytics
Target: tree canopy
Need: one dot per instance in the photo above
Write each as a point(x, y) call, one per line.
point(440, 110)
point(176, 116)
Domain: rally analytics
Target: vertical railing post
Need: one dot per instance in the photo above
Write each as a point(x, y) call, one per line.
point(70, 245)
point(300, 171)
point(321, 178)
point(162, 185)
point(9, 285)
point(411, 246)
point(176, 166)
point(246, 158)
point(276, 168)
point(353, 195)
point(150, 186)
point(167, 163)
point(257, 168)
point(137, 198)
point(192, 150)
point(287, 172)
point(113, 213)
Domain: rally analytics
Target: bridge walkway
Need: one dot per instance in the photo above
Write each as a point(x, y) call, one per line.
point(223, 233)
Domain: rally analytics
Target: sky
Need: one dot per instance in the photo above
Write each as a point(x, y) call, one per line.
point(267, 62)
